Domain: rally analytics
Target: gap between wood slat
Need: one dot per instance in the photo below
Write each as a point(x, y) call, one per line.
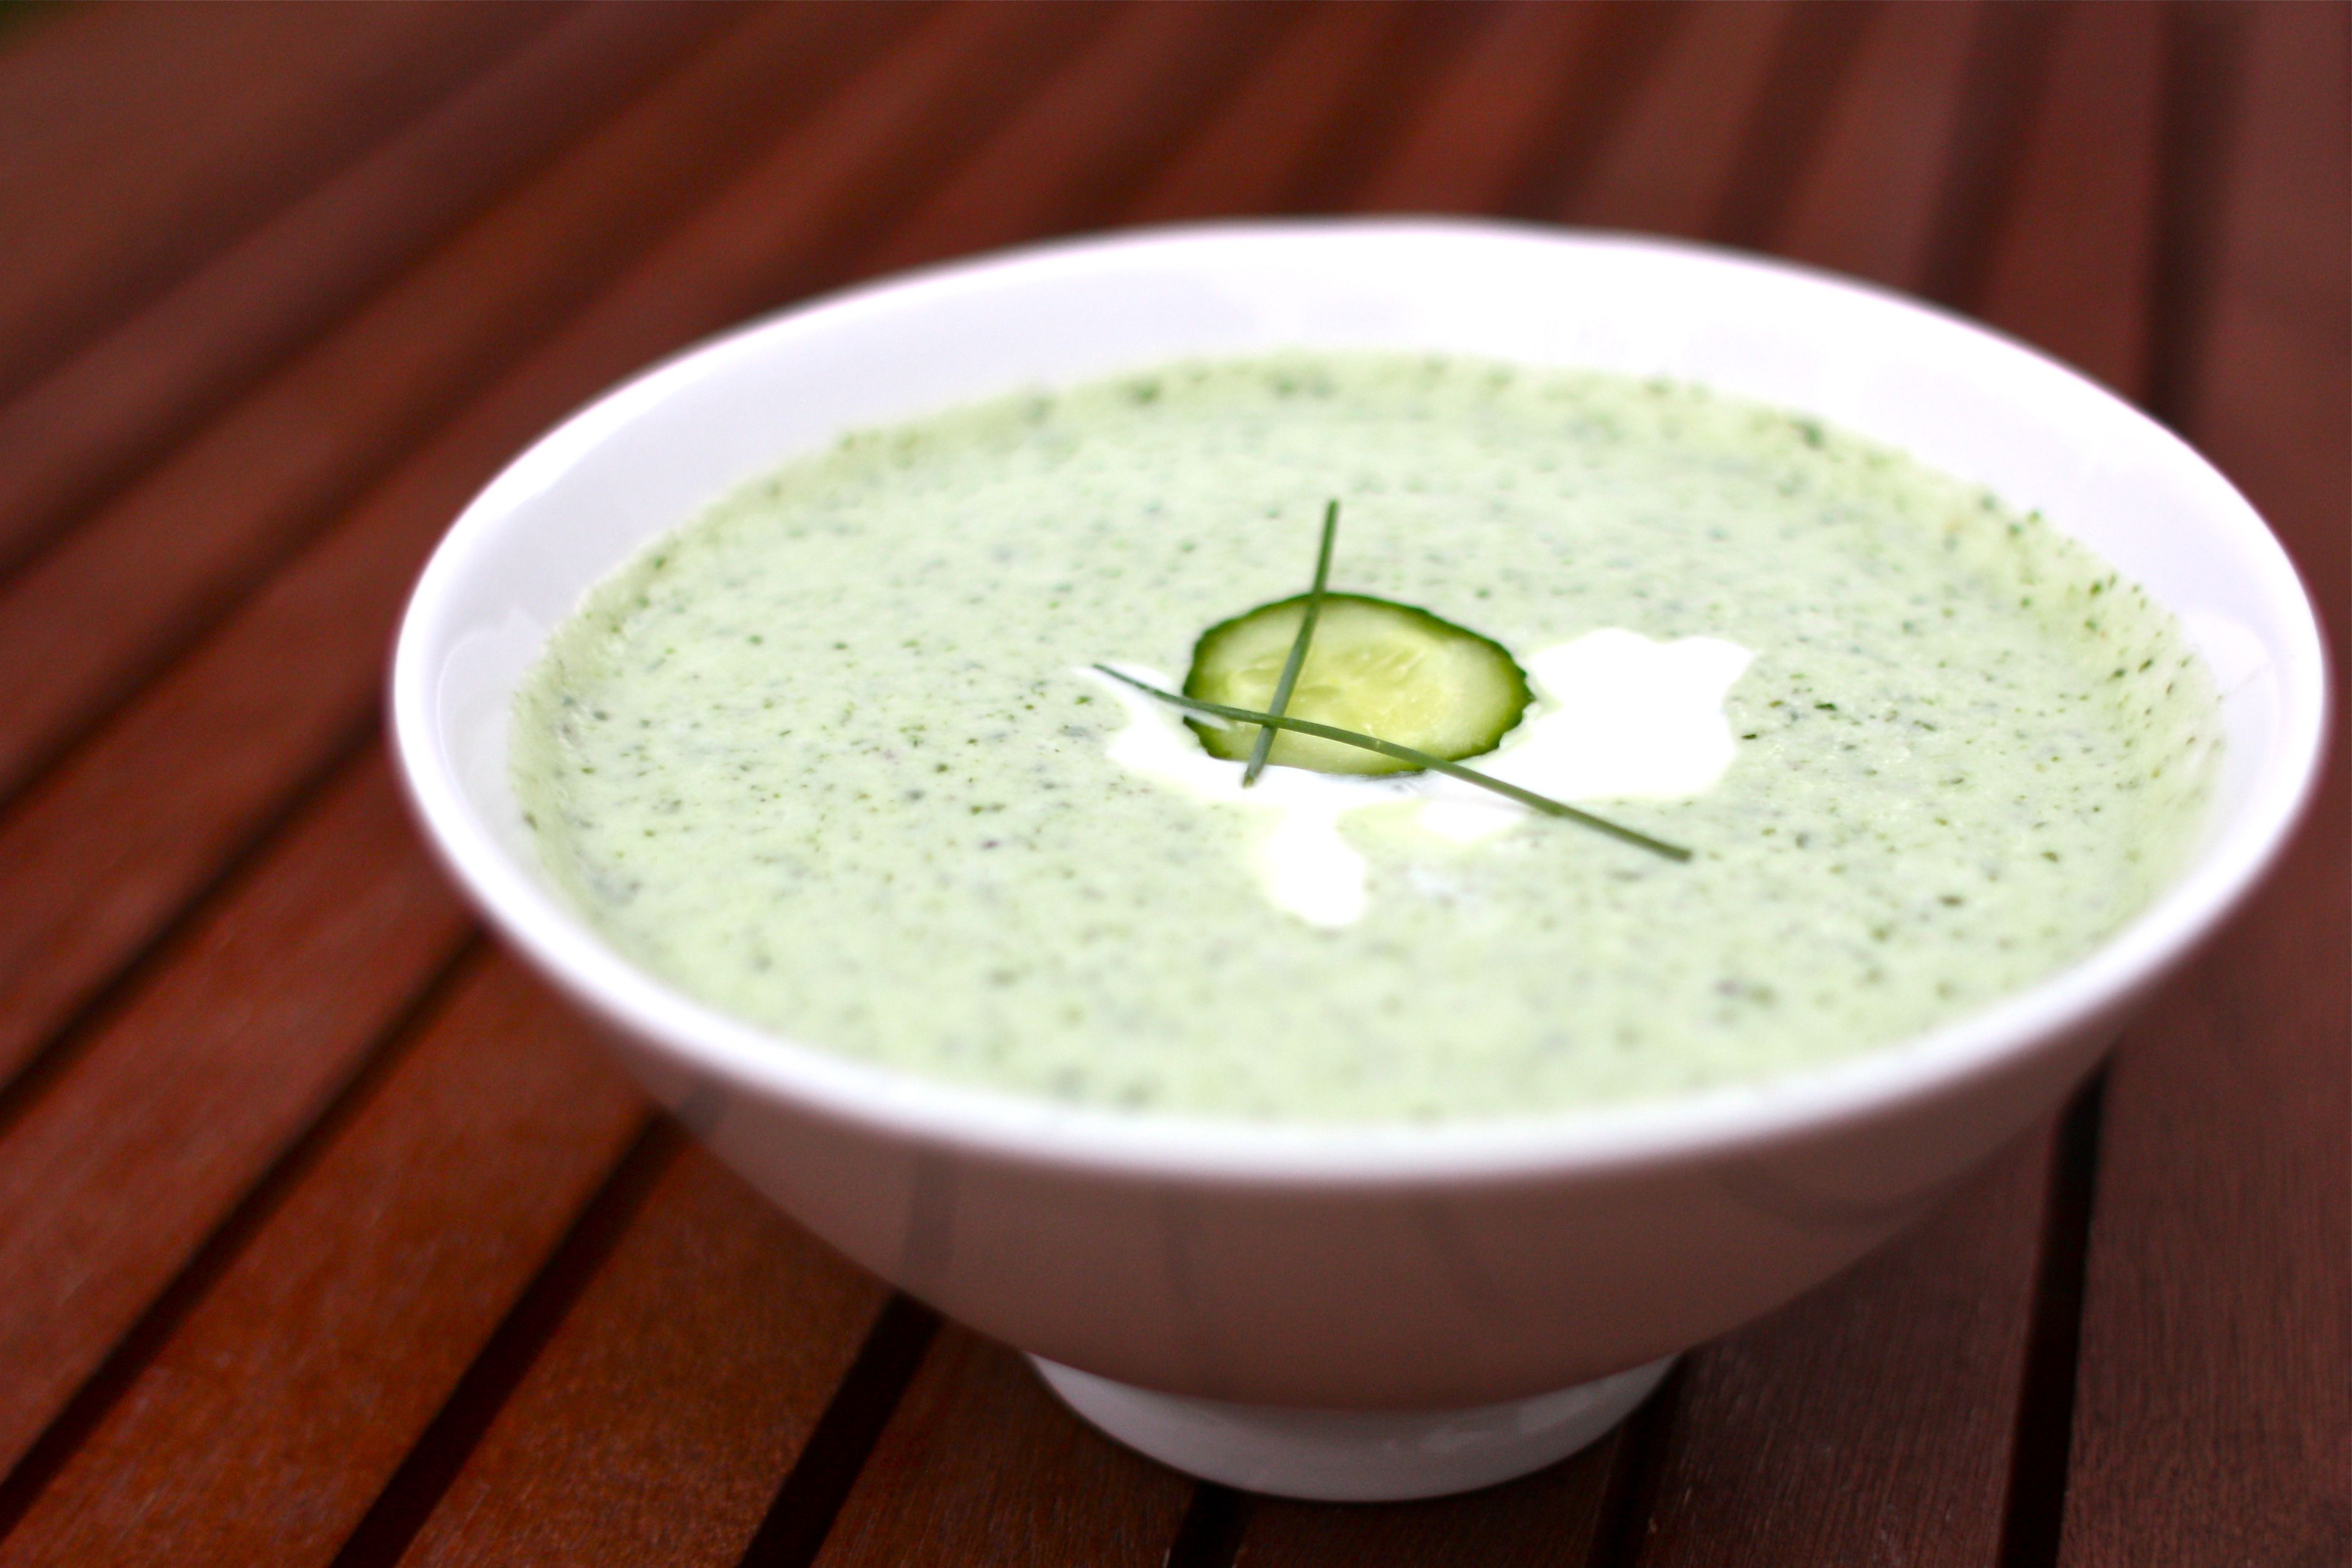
point(221, 601)
point(1658, 1419)
point(668, 297)
point(1812, 58)
point(2202, 53)
point(2035, 1510)
point(23, 1486)
point(2013, 54)
point(1211, 1535)
point(813, 1492)
point(408, 1498)
point(1244, 154)
point(24, 764)
point(1817, 45)
point(1592, 99)
point(1635, 1474)
point(17, 20)
point(1425, 41)
point(1203, 78)
point(112, 409)
point(43, 1066)
point(2005, 77)
point(411, 73)
point(419, 1487)
point(2204, 57)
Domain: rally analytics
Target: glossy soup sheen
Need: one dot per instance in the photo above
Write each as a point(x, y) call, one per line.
point(826, 756)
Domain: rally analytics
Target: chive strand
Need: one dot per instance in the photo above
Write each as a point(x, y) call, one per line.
point(1296, 660)
point(1525, 797)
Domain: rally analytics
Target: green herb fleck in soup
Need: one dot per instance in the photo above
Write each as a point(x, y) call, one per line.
point(837, 757)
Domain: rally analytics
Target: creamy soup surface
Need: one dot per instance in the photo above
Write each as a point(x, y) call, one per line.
point(834, 757)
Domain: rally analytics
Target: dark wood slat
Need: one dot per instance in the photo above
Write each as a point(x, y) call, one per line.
point(133, 583)
point(1668, 162)
point(1240, 162)
point(1816, 48)
point(1423, 49)
point(1465, 146)
point(1249, 155)
point(960, 1508)
point(2087, 199)
point(943, 1487)
point(1099, 88)
point(143, 138)
point(264, 1427)
point(1871, 1420)
point(1870, 1417)
point(1666, 167)
point(1084, 133)
point(401, 1504)
point(2213, 1421)
point(981, 1465)
point(1592, 100)
point(1024, 180)
point(1060, 146)
point(1552, 1518)
point(741, 242)
point(234, 1044)
point(120, 399)
point(96, 860)
point(1865, 204)
point(657, 1423)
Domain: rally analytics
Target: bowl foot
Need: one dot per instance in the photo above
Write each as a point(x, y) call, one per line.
point(1353, 1455)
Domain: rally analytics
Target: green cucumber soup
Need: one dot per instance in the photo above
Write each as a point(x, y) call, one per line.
point(834, 756)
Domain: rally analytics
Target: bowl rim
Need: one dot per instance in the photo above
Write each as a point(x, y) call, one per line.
point(1010, 1126)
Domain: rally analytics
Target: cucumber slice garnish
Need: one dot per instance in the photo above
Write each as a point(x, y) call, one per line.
point(1375, 667)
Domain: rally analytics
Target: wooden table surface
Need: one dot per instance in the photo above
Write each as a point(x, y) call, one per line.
point(326, 1236)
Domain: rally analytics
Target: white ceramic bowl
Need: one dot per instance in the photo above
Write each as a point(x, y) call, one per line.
point(1409, 1271)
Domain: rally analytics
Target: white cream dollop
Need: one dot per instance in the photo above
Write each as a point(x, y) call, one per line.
point(1617, 716)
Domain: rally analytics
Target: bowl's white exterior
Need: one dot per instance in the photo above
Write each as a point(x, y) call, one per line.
point(1362, 1267)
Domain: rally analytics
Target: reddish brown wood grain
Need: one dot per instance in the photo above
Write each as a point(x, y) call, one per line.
point(1557, 1515)
point(135, 580)
point(1865, 201)
point(218, 630)
point(657, 1423)
point(1666, 166)
point(141, 138)
point(1465, 146)
point(1775, 1422)
point(1869, 1421)
point(106, 410)
point(103, 852)
point(2073, 271)
point(1553, 1517)
point(1248, 155)
point(1872, 1421)
point(2213, 1422)
point(981, 1466)
point(942, 1519)
point(1083, 133)
point(1551, 1511)
point(263, 1428)
point(202, 1073)
point(1380, 108)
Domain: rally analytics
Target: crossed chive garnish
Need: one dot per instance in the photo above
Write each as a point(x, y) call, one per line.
point(1274, 719)
point(1296, 660)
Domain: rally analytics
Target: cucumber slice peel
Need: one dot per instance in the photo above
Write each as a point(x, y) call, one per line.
point(1375, 667)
